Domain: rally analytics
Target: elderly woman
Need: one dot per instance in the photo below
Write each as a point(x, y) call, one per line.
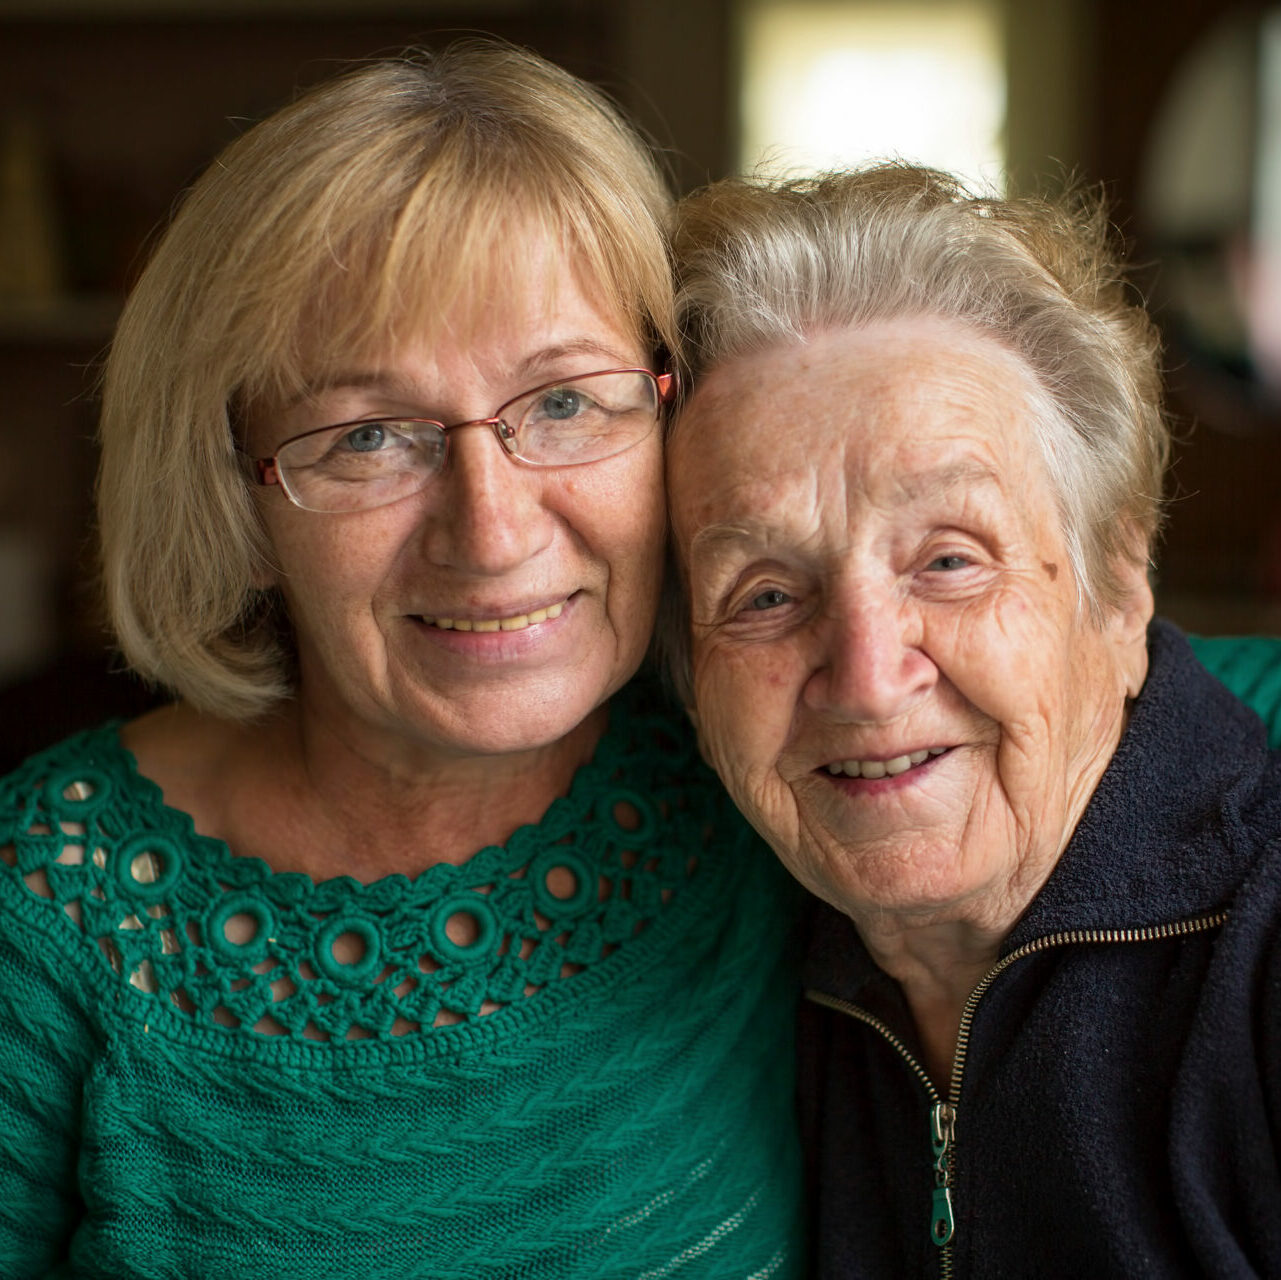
point(914, 491)
point(400, 945)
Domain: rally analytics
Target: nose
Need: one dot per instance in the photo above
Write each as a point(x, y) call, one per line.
point(490, 517)
point(871, 667)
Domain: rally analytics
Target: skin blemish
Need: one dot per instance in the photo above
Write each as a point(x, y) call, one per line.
point(1051, 569)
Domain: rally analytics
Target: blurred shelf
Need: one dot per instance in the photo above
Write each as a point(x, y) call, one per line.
point(1213, 614)
point(212, 10)
point(75, 321)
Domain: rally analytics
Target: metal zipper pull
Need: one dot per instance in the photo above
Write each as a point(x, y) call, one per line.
point(942, 1132)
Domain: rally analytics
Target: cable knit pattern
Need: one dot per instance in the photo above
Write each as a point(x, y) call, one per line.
point(569, 1057)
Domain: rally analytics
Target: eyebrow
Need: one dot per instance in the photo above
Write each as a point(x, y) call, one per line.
point(937, 480)
point(727, 533)
point(387, 380)
point(914, 487)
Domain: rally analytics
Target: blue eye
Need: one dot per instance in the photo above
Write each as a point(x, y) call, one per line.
point(946, 564)
point(771, 599)
point(561, 403)
point(368, 437)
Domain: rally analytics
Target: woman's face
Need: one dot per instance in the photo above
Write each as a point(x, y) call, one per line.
point(892, 673)
point(557, 570)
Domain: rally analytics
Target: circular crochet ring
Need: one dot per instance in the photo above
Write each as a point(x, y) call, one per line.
point(72, 796)
point(247, 946)
point(348, 973)
point(147, 864)
point(632, 803)
point(483, 919)
point(550, 903)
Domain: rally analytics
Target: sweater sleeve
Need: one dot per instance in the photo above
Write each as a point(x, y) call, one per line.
point(45, 1048)
point(1251, 667)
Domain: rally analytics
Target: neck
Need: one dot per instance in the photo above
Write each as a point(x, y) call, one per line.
point(937, 966)
point(305, 798)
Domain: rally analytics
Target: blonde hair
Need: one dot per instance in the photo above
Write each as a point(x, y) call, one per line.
point(761, 263)
point(397, 197)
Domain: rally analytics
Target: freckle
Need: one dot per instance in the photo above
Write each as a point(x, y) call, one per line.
point(1051, 570)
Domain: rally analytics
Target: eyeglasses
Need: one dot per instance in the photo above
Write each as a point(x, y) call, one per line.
point(356, 466)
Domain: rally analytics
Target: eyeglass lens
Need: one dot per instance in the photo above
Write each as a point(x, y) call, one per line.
point(359, 465)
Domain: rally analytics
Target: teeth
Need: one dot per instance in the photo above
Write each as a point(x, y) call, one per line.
point(883, 768)
point(517, 622)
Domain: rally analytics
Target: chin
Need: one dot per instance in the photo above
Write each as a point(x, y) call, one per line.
point(908, 879)
point(508, 721)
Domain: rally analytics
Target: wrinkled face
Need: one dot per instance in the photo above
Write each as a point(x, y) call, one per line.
point(549, 576)
point(892, 674)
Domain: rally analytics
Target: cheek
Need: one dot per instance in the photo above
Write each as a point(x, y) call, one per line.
point(620, 516)
point(1009, 654)
point(746, 702)
point(332, 565)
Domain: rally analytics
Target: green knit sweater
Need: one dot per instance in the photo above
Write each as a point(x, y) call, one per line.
point(570, 1057)
point(1251, 667)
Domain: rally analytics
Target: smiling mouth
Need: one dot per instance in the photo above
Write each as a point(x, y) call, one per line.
point(882, 768)
point(516, 622)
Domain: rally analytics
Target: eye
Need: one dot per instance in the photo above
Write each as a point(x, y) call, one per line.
point(948, 564)
point(562, 402)
point(368, 437)
point(771, 599)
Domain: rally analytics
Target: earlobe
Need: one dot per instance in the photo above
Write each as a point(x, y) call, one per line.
point(1130, 623)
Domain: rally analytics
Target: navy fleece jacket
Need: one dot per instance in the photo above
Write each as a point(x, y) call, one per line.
point(1116, 1109)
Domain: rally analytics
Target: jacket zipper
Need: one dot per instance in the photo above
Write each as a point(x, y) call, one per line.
point(943, 1115)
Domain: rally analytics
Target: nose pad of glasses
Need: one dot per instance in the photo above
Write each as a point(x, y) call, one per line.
point(506, 434)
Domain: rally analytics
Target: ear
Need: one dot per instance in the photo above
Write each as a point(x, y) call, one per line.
point(1128, 625)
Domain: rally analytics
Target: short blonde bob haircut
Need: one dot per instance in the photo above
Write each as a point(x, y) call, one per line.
point(398, 198)
point(761, 263)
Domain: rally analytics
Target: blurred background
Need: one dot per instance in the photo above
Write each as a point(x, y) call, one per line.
point(109, 108)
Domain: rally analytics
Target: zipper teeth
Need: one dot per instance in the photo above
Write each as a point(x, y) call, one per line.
point(844, 1006)
point(1067, 937)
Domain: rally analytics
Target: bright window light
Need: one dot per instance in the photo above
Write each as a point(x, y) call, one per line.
point(833, 84)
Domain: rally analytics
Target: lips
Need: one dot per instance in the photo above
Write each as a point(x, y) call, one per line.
point(890, 768)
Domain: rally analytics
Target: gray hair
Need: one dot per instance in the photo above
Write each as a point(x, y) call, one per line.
point(762, 263)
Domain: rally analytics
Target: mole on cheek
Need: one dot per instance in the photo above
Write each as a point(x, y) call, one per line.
point(1051, 570)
